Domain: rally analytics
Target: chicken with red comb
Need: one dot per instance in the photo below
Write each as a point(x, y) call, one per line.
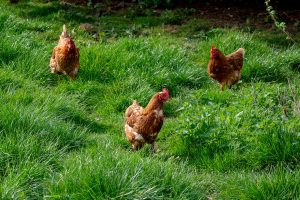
point(65, 56)
point(142, 125)
point(225, 69)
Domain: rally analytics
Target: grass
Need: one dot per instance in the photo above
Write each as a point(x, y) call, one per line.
point(64, 139)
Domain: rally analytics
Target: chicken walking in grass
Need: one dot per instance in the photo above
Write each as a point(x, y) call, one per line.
point(65, 56)
point(142, 125)
point(225, 69)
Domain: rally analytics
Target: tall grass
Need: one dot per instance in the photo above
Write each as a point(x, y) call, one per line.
point(62, 139)
point(115, 176)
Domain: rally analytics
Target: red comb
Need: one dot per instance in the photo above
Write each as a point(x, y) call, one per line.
point(213, 52)
point(165, 91)
point(165, 95)
point(212, 47)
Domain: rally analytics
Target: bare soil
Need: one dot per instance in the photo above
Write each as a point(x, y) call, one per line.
point(220, 13)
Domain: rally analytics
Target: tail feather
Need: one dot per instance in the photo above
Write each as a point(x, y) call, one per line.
point(64, 33)
point(135, 102)
point(242, 51)
point(64, 29)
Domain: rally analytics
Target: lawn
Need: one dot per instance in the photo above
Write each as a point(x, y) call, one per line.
point(63, 139)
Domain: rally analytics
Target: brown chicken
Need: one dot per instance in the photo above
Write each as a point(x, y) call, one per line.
point(142, 125)
point(65, 56)
point(225, 69)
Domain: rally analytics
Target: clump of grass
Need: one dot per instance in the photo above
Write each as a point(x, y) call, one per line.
point(65, 139)
point(125, 177)
point(34, 137)
point(276, 184)
point(220, 126)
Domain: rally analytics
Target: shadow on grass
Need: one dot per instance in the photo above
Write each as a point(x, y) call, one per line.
point(267, 77)
point(79, 119)
point(92, 126)
point(55, 11)
point(275, 39)
point(131, 23)
point(8, 54)
point(34, 10)
point(279, 73)
point(295, 65)
point(100, 76)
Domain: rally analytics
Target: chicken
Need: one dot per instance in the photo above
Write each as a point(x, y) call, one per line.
point(142, 125)
point(225, 69)
point(65, 56)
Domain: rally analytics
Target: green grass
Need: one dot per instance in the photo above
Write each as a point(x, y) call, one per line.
point(62, 139)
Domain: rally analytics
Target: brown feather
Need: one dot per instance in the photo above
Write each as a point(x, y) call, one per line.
point(65, 56)
point(226, 69)
point(142, 125)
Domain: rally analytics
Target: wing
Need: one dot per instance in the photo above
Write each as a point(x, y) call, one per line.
point(145, 123)
point(132, 114)
point(149, 125)
point(236, 58)
point(219, 66)
point(60, 58)
point(52, 59)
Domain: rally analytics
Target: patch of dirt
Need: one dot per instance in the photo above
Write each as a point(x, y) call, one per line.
point(221, 16)
point(220, 13)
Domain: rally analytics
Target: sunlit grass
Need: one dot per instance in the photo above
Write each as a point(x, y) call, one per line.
point(62, 139)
